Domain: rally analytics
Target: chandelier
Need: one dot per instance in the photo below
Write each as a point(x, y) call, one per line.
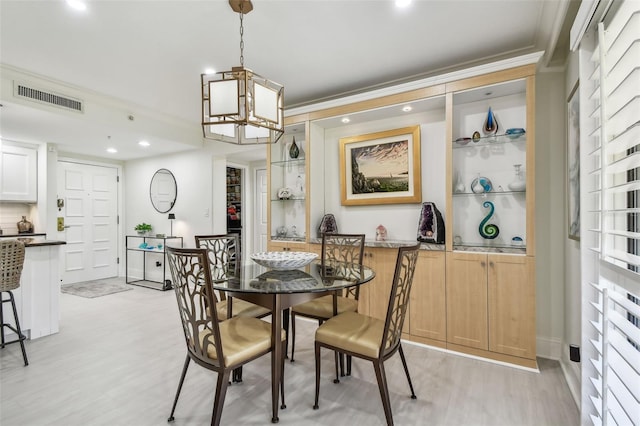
point(240, 106)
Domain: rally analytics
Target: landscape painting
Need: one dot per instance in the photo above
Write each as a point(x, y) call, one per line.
point(381, 168)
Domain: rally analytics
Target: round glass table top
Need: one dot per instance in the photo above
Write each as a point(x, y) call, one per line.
point(253, 278)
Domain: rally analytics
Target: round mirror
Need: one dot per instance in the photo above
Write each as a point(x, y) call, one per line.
point(163, 190)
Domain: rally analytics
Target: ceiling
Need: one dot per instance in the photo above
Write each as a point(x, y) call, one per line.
point(136, 64)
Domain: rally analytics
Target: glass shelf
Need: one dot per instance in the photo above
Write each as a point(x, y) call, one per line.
point(288, 199)
point(297, 161)
point(491, 140)
point(499, 247)
point(484, 194)
point(275, 238)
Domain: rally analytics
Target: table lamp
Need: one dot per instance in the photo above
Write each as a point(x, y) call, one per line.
point(172, 216)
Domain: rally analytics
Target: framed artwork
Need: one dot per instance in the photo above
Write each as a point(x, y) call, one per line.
point(381, 168)
point(573, 163)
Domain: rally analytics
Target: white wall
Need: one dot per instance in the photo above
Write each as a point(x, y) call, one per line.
point(573, 293)
point(550, 212)
point(401, 220)
point(194, 208)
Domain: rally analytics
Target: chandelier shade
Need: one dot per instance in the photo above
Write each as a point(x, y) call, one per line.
point(240, 106)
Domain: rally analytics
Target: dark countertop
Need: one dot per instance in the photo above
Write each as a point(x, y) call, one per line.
point(26, 235)
point(38, 241)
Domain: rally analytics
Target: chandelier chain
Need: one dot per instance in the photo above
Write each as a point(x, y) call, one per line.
point(241, 39)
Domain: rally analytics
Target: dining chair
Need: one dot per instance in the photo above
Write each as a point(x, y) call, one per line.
point(338, 251)
point(11, 264)
point(223, 252)
point(221, 346)
point(370, 338)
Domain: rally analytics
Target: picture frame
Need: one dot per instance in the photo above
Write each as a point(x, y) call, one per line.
point(381, 168)
point(573, 163)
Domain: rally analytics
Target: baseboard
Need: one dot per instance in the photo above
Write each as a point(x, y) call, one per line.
point(549, 348)
point(572, 375)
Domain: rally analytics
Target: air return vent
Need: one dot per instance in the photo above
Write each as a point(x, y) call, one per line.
point(47, 97)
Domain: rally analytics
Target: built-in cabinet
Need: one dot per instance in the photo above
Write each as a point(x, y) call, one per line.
point(427, 308)
point(288, 190)
point(476, 293)
point(18, 173)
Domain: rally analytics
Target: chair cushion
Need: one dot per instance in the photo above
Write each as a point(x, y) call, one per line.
point(353, 332)
point(322, 307)
point(242, 339)
point(240, 308)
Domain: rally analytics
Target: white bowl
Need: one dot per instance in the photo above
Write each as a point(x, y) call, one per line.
point(283, 260)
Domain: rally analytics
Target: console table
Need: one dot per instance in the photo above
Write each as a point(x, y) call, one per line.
point(147, 244)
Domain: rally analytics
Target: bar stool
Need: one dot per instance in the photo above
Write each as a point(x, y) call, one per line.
point(11, 263)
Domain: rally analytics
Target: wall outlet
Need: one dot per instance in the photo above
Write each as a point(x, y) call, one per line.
point(574, 353)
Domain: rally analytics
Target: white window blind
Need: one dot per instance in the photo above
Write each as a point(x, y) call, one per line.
point(610, 247)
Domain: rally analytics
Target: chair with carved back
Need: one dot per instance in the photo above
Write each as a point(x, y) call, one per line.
point(221, 346)
point(224, 259)
point(370, 338)
point(338, 251)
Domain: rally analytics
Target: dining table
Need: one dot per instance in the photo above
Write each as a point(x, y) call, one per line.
point(279, 290)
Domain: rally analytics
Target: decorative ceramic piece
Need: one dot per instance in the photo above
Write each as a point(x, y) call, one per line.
point(488, 231)
point(381, 233)
point(518, 184)
point(281, 232)
point(476, 136)
point(285, 193)
point(294, 151)
point(283, 260)
point(517, 241)
point(481, 184)
point(514, 132)
point(24, 226)
point(328, 225)
point(463, 141)
point(490, 126)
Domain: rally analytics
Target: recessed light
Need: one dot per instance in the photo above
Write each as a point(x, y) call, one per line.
point(345, 120)
point(144, 143)
point(407, 108)
point(77, 5)
point(403, 3)
point(209, 71)
point(112, 150)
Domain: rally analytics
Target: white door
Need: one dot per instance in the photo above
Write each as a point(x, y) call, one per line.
point(260, 240)
point(90, 210)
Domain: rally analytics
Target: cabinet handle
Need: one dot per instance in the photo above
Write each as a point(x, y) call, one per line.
point(483, 264)
point(491, 264)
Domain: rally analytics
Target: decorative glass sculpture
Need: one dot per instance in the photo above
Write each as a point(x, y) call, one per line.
point(488, 231)
point(518, 184)
point(294, 151)
point(490, 126)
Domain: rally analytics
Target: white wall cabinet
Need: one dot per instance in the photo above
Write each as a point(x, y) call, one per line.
point(18, 173)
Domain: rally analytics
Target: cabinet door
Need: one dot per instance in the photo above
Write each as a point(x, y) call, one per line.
point(374, 295)
point(18, 174)
point(512, 322)
point(467, 299)
point(428, 302)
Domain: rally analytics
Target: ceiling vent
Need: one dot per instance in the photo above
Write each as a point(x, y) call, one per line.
point(46, 97)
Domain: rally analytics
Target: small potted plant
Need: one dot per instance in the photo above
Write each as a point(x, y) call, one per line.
point(143, 228)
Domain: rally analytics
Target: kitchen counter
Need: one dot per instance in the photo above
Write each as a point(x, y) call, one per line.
point(25, 235)
point(34, 240)
point(38, 297)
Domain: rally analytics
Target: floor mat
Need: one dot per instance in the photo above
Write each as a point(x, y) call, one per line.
point(91, 289)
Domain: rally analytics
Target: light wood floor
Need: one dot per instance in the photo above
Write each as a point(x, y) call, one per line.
point(117, 361)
